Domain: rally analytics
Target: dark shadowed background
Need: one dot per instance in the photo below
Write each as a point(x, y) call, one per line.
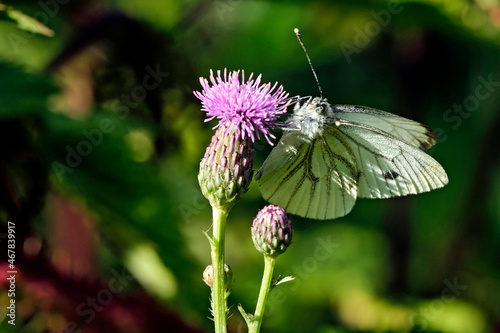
point(101, 137)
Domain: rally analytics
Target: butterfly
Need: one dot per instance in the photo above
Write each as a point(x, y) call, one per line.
point(329, 155)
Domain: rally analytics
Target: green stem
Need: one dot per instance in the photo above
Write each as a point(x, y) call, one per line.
point(265, 287)
point(218, 288)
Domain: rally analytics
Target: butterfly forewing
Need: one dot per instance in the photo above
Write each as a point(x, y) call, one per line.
point(310, 178)
point(409, 131)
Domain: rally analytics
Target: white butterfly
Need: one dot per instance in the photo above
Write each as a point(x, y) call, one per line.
point(331, 154)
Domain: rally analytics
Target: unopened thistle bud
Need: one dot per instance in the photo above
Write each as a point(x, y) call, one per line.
point(272, 231)
point(208, 275)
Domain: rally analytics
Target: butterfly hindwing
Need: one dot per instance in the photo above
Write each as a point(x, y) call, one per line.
point(389, 166)
point(312, 178)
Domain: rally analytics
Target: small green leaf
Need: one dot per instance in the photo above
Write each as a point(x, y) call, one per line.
point(247, 316)
point(280, 280)
point(212, 245)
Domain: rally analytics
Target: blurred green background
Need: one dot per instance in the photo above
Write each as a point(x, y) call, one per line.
point(101, 138)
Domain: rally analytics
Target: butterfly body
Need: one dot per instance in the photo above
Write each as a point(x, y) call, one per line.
point(331, 154)
point(312, 117)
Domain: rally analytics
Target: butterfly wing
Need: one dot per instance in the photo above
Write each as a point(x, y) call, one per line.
point(389, 166)
point(406, 130)
point(314, 178)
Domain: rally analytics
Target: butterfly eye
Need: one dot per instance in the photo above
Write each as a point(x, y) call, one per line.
point(320, 109)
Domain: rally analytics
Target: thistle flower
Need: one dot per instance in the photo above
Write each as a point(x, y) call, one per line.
point(245, 110)
point(249, 107)
point(272, 231)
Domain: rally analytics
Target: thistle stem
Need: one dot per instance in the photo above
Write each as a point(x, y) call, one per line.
point(265, 288)
point(218, 288)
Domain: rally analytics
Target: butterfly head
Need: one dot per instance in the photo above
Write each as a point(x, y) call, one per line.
point(311, 117)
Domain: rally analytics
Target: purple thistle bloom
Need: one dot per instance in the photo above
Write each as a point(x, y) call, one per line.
point(248, 106)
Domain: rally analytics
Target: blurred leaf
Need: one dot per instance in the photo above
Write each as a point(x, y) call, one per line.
point(24, 22)
point(22, 92)
point(144, 263)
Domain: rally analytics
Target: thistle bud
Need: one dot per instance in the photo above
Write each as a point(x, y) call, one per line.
point(272, 231)
point(208, 275)
point(226, 170)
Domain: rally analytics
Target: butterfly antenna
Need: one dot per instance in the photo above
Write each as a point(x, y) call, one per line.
point(297, 32)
